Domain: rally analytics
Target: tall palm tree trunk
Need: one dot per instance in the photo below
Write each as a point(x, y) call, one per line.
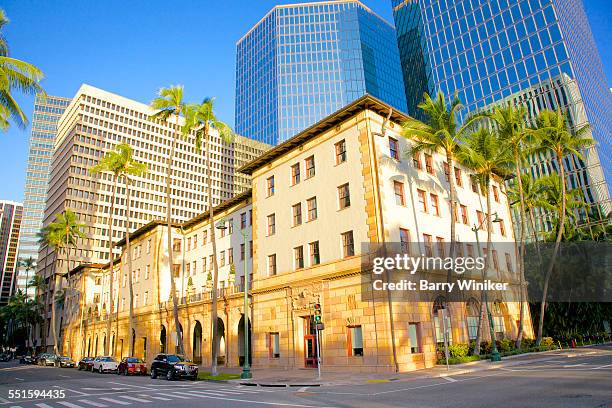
point(453, 206)
point(213, 240)
point(109, 318)
point(521, 253)
point(551, 264)
point(177, 325)
point(129, 262)
point(483, 298)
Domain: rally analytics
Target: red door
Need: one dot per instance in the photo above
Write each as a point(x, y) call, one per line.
point(310, 351)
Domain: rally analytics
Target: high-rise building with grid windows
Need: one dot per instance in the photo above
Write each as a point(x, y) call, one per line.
point(10, 222)
point(302, 62)
point(47, 111)
point(539, 52)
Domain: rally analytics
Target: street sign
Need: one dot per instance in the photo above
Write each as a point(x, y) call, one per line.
point(320, 326)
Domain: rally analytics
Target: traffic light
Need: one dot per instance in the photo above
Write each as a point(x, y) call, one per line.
point(317, 313)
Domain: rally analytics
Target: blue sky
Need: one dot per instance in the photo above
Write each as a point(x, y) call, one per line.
point(134, 47)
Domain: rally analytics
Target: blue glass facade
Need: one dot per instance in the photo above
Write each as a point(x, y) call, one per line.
point(302, 62)
point(539, 51)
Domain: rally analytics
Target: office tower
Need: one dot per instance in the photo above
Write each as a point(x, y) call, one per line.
point(539, 51)
point(10, 222)
point(95, 122)
point(302, 62)
point(47, 111)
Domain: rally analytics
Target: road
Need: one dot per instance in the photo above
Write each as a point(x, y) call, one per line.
point(567, 379)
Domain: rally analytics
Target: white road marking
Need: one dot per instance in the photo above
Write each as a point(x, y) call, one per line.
point(156, 397)
point(278, 404)
point(93, 403)
point(603, 366)
point(177, 396)
point(5, 401)
point(114, 401)
point(131, 385)
point(303, 389)
point(19, 379)
point(220, 392)
point(205, 393)
point(43, 405)
point(67, 389)
point(69, 404)
point(449, 379)
point(133, 398)
point(65, 376)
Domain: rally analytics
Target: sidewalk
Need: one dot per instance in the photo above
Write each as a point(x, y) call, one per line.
point(271, 377)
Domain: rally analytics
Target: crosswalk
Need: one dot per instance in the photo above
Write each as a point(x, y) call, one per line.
point(143, 397)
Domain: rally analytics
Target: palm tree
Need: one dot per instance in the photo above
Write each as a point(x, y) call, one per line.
point(554, 136)
point(440, 132)
point(119, 163)
point(489, 158)
point(27, 264)
point(62, 234)
point(202, 119)
point(38, 283)
point(15, 75)
point(510, 122)
point(170, 103)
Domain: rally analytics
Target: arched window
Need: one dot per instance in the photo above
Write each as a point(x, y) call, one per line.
point(473, 311)
point(439, 308)
point(498, 319)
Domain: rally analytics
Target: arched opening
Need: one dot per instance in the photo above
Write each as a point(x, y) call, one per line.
point(96, 346)
point(112, 343)
point(499, 327)
point(241, 342)
point(104, 343)
point(220, 341)
point(197, 343)
point(162, 339)
point(89, 347)
point(441, 325)
point(176, 343)
point(473, 313)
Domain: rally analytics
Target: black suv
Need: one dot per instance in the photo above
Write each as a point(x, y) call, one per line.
point(173, 366)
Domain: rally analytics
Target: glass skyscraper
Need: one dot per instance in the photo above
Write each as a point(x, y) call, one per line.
point(302, 62)
point(47, 111)
point(539, 52)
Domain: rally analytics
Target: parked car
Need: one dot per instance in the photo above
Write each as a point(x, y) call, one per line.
point(27, 360)
point(85, 364)
point(173, 366)
point(64, 361)
point(132, 365)
point(4, 357)
point(48, 359)
point(104, 364)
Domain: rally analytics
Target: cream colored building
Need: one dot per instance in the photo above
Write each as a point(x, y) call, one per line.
point(95, 122)
point(354, 185)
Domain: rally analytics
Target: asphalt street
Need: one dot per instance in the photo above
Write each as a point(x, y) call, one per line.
point(580, 378)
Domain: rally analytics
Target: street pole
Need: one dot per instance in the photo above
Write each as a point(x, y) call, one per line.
point(495, 356)
point(445, 338)
point(246, 369)
point(318, 354)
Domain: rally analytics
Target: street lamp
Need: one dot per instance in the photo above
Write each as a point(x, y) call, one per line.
point(246, 370)
point(495, 356)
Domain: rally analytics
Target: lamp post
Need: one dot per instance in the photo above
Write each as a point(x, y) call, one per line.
point(495, 356)
point(246, 369)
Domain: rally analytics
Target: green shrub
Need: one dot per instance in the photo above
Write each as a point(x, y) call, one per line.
point(485, 347)
point(547, 342)
point(505, 345)
point(458, 350)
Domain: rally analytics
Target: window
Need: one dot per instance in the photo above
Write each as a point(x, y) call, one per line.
point(474, 186)
point(222, 258)
point(310, 167)
point(230, 228)
point(242, 252)
point(204, 237)
point(272, 264)
point(429, 163)
point(435, 205)
point(428, 241)
point(271, 224)
point(413, 335)
point(230, 257)
point(495, 260)
point(398, 187)
point(295, 174)
point(147, 272)
point(274, 345)
point(404, 240)
point(145, 299)
point(195, 240)
point(440, 243)
point(422, 200)
point(344, 196)
point(348, 245)
point(315, 258)
point(446, 171)
point(473, 311)
point(394, 148)
point(498, 319)
point(496, 194)
point(464, 215)
point(311, 203)
point(188, 244)
point(136, 300)
point(187, 269)
point(416, 161)
point(458, 178)
point(176, 271)
point(509, 267)
point(481, 222)
point(441, 327)
point(250, 220)
point(176, 245)
point(270, 186)
point(297, 214)
point(340, 151)
point(251, 249)
point(243, 221)
point(470, 250)
point(502, 228)
point(298, 257)
point(204, 265)
point(149, 246)
point(355, 341)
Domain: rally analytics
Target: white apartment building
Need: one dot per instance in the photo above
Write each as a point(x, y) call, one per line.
point(95, 122)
